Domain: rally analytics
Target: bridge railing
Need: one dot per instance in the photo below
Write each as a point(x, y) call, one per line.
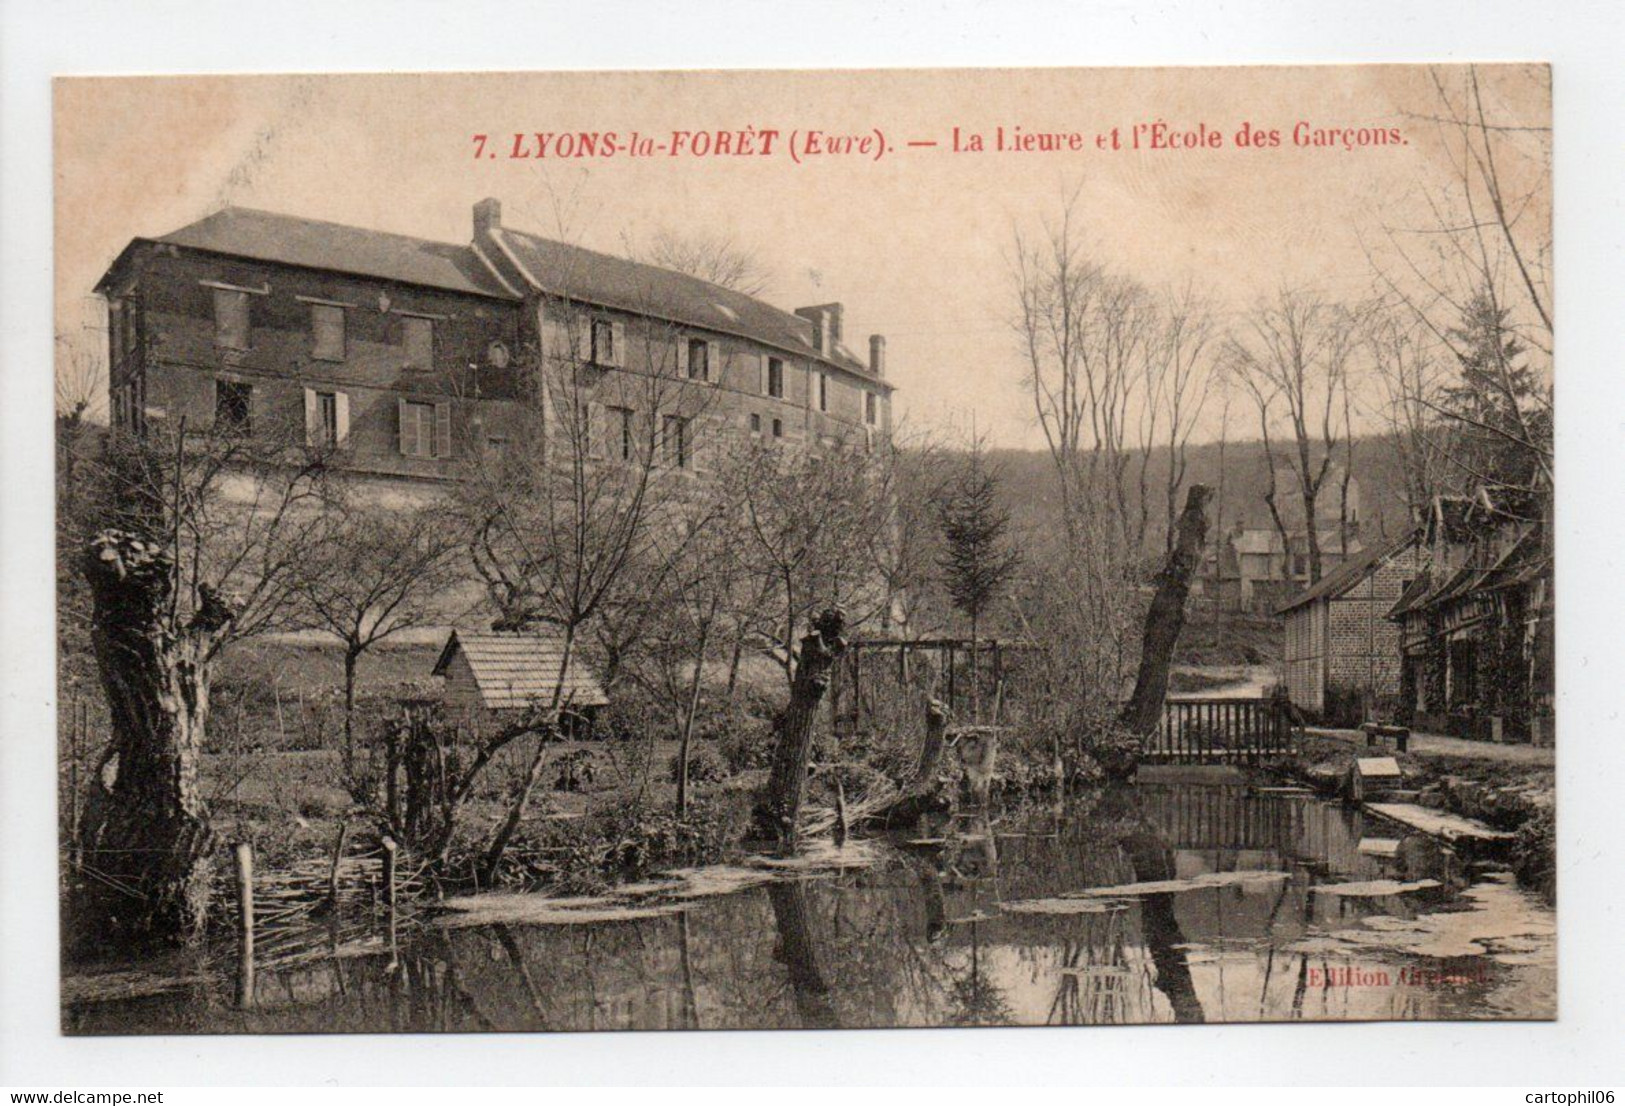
point(1216, 731)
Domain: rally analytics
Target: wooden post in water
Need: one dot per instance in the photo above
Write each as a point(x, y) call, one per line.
point(245, 924)
point(389, 897)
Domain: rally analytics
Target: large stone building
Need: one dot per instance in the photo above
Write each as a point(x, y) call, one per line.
point(410, 353)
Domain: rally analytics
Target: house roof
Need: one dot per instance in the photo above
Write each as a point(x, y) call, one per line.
point(1268, 540)
point(314, 244)
point(600, 278)
point(559, 268)
point(514, 669)
point(1347, 574)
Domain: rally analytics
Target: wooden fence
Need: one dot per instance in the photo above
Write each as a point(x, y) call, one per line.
point(1221, 731)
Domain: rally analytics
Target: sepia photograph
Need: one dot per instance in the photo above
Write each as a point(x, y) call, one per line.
point(702, 550)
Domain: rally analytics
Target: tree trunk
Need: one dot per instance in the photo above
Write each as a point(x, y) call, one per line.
point(796, 951)
point(1166, 617)
point(350, 658)
point(516, 812)
point(146, 839)
point(923, 793)
point(780, 805)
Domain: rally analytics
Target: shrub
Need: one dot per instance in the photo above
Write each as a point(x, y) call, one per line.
point(704, 766)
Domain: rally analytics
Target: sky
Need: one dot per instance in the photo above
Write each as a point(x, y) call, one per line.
point(917, 243)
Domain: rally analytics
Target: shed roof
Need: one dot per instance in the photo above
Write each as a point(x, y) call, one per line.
point(514, 669)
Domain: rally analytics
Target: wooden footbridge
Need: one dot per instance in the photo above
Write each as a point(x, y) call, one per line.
point(1222, 731)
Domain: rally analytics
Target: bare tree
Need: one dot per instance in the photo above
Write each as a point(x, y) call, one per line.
point(1293, 358)
point(1085, 333)
point(808, 517)
point(1408, 376)
point(1183, 383)
point(716, 257)
point(377, 574)
point(621, 416)
point(1485, 260)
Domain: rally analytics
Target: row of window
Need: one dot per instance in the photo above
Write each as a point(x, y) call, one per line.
point(328, 343)
point(699, 363)
point(327, 328)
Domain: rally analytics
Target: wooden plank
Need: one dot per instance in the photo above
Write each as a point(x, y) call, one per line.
point(1450, 827)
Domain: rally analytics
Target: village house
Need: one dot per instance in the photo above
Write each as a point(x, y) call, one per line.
point(1250, 569)
point(1341, 652)
point(1476, 625)
point(406, 353)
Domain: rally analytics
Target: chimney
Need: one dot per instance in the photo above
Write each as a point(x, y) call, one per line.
point(877, 355)
point(826, 320)
point(487, 217)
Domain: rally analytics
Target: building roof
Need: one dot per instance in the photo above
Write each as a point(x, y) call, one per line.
point(1264, 539)
point(514, 669)
point(600, 278)
point(314, 244)
point(1347, 574)
point(559, 268)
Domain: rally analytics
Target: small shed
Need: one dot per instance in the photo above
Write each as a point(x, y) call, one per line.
point(514, 670)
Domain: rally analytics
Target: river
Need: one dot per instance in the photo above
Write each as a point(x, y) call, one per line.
point(1150, 903)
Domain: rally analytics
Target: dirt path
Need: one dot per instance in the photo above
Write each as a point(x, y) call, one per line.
point(1424, 744)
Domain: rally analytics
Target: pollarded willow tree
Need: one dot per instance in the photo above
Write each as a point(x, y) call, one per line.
point(202, 538)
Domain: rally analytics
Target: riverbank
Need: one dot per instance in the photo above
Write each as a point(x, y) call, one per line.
point(1507, 787)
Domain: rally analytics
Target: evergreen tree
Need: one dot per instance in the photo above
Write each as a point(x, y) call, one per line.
point(977, 560)
point(1497, 406)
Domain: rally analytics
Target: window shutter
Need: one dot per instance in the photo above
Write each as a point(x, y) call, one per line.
point(442, 430)
point(581, 338)
point(713, 362)
point(341, 403)
point(313, 418)
point(699, 444)
point(400, 425)
point(682, 356)
point(619, 331)
point(601, 430)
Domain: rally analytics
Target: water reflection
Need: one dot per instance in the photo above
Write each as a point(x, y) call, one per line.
point(1249, 907)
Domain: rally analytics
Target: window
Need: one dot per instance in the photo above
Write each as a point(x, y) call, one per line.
point(823, 392)
point(621, 420)
point(674, 441)
point(327, 417)
point(496, 447)
point(871, 408)
point(417, 429)
point(756, 424)
point(230, 318)
point(778, 428)
point(699, 359)
point(233, 401)
point(327, 332)
point(603, 342)
point(775, 378)
point(417, 334)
